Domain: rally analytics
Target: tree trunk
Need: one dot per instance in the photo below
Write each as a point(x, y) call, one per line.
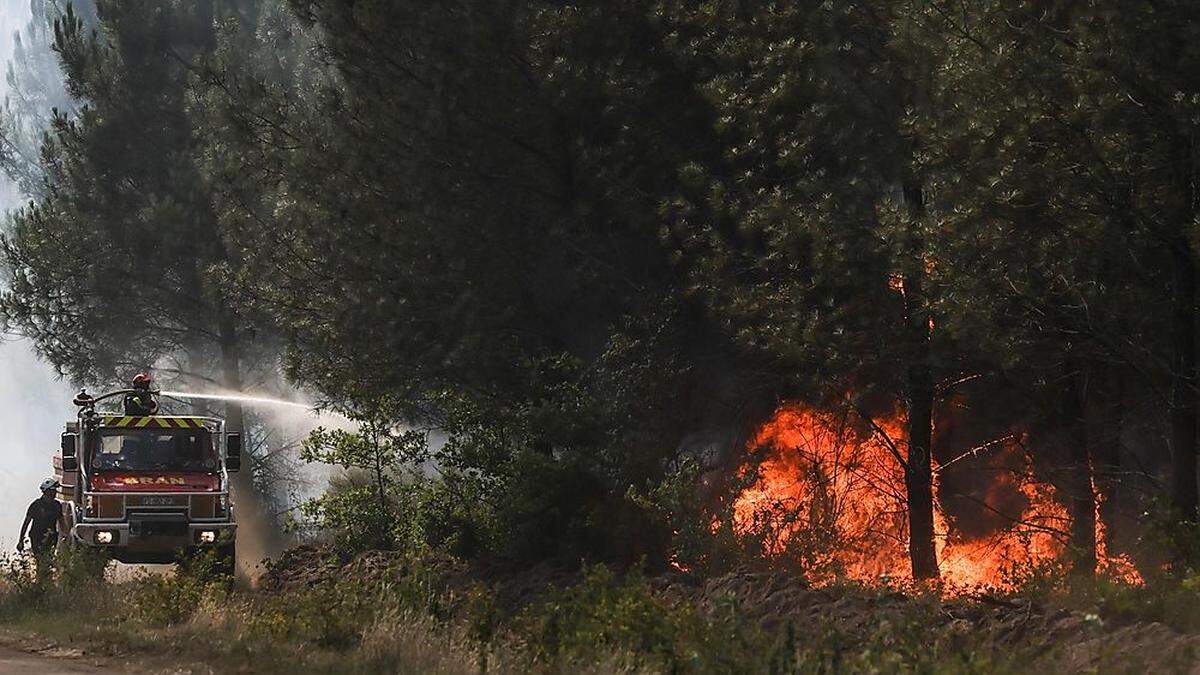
point(918, 474)
point(1183, 382)
point(1078, 480)
point(1106, 460)
point(231, 372)
point(256, 539)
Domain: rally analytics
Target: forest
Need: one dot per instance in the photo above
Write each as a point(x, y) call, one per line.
point(855, 292)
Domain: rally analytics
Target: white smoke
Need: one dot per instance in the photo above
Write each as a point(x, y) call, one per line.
point(34, 401)
point(34, 404)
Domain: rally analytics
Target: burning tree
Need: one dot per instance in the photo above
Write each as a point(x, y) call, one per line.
point(828, 496)
point(800, 236)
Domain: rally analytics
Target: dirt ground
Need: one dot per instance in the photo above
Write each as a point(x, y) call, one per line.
point(26, 655)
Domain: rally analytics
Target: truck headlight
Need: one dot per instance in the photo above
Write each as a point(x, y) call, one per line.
point(104, 537)
point(208, 537)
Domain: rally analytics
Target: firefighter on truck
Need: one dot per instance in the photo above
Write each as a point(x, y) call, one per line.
point(147, 487)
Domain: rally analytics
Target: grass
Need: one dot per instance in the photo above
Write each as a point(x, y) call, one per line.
point(412, 618)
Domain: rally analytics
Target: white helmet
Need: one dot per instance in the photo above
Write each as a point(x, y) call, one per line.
point(49, 484)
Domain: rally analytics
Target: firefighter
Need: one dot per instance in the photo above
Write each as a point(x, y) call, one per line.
point(46, 516)
point(140, 402)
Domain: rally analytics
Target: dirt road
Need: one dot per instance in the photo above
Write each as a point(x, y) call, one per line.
point(13, 662)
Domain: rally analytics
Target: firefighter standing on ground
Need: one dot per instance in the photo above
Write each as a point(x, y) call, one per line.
point(46, 516)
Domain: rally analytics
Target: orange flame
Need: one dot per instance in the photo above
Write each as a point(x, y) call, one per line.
point(830, 497)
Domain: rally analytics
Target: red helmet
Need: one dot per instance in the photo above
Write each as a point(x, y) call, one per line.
point(141, 379)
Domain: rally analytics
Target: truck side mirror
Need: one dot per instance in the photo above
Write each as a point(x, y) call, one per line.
point(233, 452)
point(68, 444)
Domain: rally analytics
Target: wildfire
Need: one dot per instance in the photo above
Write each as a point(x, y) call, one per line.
point(828, 496)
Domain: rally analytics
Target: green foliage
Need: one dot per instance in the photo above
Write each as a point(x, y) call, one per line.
point(605, 613)
point(35, 89)
point(54, 577)
point(78, 567)
point(25, 578)
point(900, 647)
point(1166, 533)
point(377, 617)
point(140, 244)
point(369, 514)
point(169, 599)
point(331, 616)
point(704, 541)
point(1168, 601)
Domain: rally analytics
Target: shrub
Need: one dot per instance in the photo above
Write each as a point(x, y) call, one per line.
point(80, 567)
point(1162, 599)
point(164, 600)
point(605, 615)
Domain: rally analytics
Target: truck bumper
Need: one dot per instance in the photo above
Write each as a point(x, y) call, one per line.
point(118, 535)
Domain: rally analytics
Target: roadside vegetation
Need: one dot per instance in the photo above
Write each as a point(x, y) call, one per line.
point(402, 613)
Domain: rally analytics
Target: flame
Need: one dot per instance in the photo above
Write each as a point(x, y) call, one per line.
point(1118, 566)
point(829, 496)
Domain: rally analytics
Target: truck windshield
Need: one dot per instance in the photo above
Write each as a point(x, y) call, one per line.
point(155, 450)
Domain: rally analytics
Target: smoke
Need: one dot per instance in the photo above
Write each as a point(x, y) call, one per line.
point(34, 401)
point(34, 404)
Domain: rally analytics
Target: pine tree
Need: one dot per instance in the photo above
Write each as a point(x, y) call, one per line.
point(809, 237)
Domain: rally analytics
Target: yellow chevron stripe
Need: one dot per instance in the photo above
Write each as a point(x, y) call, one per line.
point(160, 422)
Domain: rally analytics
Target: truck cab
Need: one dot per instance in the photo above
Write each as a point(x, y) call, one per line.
point(147, 488)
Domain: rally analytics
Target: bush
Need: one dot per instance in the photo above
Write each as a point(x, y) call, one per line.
point(605, 615)
point(1163, 599)
point(331, 617)
point(80, 567)
point(904, 646)
point(59, 578)
point(24, 579)
point(168, 599)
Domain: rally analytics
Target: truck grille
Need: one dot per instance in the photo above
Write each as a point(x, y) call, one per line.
point(156, 501)
point(158, 525)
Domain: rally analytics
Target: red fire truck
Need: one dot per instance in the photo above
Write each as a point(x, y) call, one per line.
point(148, 488)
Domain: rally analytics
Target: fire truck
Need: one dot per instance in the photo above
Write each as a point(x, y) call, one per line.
point(147, 488)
